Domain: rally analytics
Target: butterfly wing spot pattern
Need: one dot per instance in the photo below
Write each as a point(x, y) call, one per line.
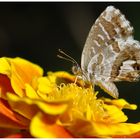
point(110, 53)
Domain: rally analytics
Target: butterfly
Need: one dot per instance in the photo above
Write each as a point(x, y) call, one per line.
point(110, 53)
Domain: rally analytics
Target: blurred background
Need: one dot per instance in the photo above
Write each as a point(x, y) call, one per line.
point(35, 31)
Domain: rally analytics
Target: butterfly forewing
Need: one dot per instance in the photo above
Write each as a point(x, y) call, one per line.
point(110, 25)
point(109, 44)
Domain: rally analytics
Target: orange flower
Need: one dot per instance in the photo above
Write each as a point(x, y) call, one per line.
point(14, 75)
point(54, 106)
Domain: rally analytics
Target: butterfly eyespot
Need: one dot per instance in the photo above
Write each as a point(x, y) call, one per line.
point(136, 67)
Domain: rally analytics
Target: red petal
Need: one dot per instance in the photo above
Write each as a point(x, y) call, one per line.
point(20, 135)
point(5, 85)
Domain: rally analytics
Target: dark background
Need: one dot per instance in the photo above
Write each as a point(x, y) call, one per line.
point(36, 31)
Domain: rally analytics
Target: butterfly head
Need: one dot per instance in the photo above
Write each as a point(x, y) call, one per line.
point(76, 69)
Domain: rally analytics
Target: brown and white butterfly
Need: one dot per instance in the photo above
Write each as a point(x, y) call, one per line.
point(110, 53)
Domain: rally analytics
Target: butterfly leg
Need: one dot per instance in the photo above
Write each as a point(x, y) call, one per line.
point(75, 81)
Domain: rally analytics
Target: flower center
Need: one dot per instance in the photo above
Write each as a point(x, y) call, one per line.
point(83, 101)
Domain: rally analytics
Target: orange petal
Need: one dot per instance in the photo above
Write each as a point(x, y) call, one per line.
point(24, 106)
point(135, 135)
point(29, 107)
point(14, 120)
point(41, 127)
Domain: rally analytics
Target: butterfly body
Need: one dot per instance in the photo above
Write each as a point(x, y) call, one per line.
point(110, 53)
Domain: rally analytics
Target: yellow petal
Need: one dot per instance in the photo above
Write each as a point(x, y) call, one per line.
point(114, 115)
point(53, 108)
point(109, 130)
point(5, 67)
point(25, 69)
point(23, 72)
point(42, 127)
point(120, 103)
point(30, 92)
point(83, 128)
point(20, 72)
point(45, 85)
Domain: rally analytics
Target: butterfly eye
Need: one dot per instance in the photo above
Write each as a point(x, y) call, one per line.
point(76, 70)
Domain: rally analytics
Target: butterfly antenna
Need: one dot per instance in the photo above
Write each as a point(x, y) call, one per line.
point(65, 56)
